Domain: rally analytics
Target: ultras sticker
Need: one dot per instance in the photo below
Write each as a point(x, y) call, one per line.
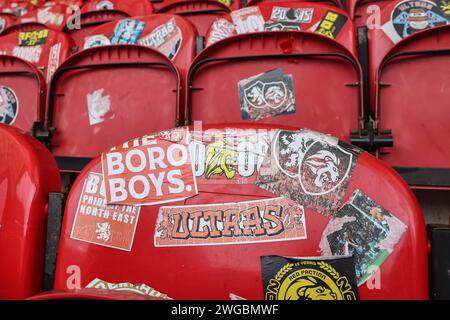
point(166, 38)
point(96, 222)
point(276, 219)
point(310, 168)
point(288, 278)
point(266, 95)
point(365, 230)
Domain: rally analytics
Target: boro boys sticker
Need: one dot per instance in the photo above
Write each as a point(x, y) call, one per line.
point(166, 38)
point(96, 222)
point(9, 105)
point(228, 156)
point(409, 17)
point(277, 219)
point(296, 15)
point(308, 167)
point(311, 278)
point(266, 95)
point(331, 24)
point(150, 170)
point(127, 31)
point(365, 230)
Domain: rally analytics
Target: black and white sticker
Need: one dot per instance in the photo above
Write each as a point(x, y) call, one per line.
point(297, 15)
point(9, 105)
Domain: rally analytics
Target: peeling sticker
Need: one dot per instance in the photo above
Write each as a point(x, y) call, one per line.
point(98, 107)
point(266, 95)
point(364, 229)
point(98, 223)
point(127, 287)
point(268, 220)
point(309, 278)
point(310, 168)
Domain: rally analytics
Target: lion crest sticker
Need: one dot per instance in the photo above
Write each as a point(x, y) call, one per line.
point(309, 278)
point(267, 94)
point(310, 168)
point(9, 105)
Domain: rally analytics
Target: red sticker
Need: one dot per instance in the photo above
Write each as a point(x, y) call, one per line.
point(96, 222)
point(150, 170)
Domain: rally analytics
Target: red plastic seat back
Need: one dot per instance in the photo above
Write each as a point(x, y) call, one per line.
point(126, 244)
point(28, 174)
point(54, 17)
point(200, 12)
point(44, 48)
point(18, 7)
point(299, 16)
point(412, 101)
point(22, 92)
point(329, 104)
point(102, 96)
point(170, 34)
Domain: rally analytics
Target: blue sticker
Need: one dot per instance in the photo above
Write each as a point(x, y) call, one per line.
point(127, 31)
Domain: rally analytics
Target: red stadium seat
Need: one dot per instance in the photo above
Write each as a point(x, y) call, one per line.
point(325, 75)
point(44, 48)
point(135, 257)
point(232, 4)
point(18, 7)
point(102, 96)
point(200, 12)
point(412, 93)
point(95, 13)
point(28, 175)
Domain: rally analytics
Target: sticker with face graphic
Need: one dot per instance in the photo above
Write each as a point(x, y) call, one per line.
point(266, 95)
point(9, 105)
point(127, 31)
point(364, 229)
point(309, 278)
point(409, 17)
point(166, 38)
point(310, 168)
point(105, 5)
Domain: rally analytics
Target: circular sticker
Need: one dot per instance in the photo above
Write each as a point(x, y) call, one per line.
point(409, 17)
point(105, 5)
point(97, 40)
point(9, 105)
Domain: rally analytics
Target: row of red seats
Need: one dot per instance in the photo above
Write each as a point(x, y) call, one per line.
point(184, 95)
point(133, 256)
